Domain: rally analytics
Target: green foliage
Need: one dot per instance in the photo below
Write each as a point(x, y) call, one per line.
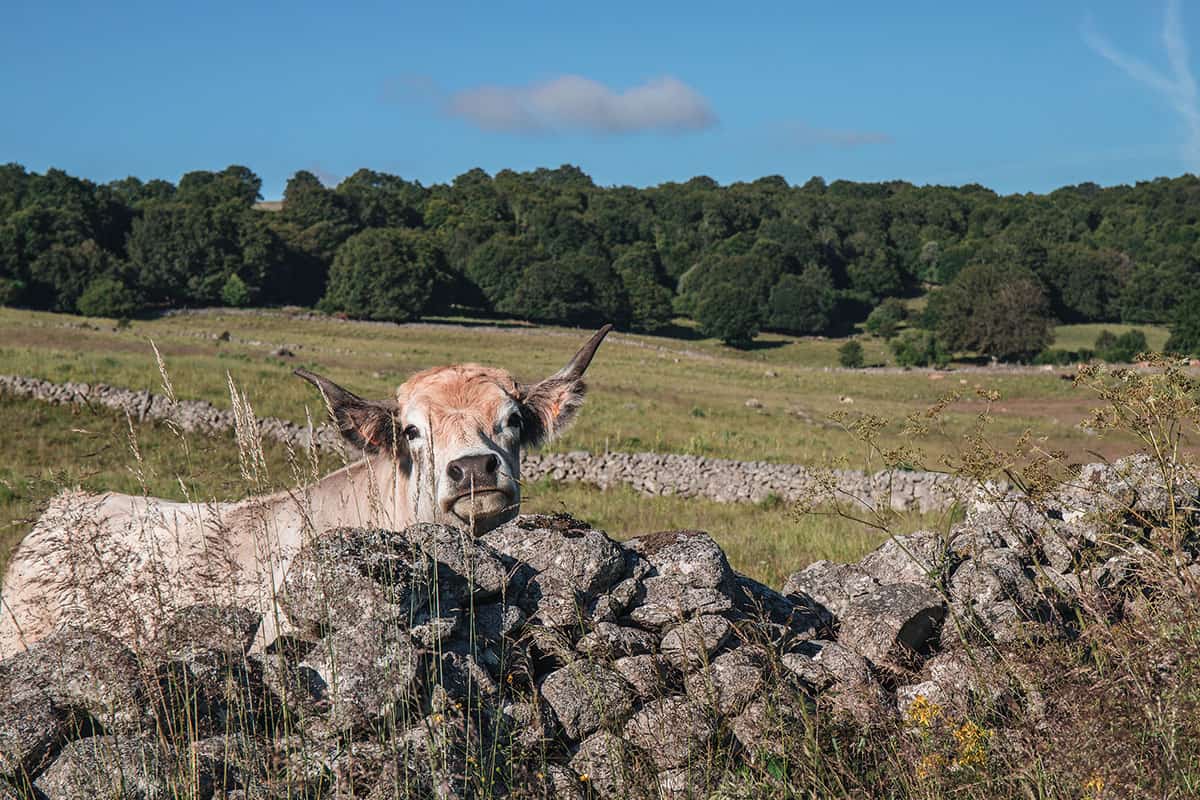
point(917, 348)
point(577, 289)
point(1121, 349)
point(383, 274)
point(728, 312)
point(109, 297)
point(996, 311)
point(1185, 328)
point(1059, 357)
point(804, 303)
point(235, 292)
point(850, 355)
point(885, 320)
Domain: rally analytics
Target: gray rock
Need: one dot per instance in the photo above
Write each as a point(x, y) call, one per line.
point(126, 767)
point(672, 731)
point(893, 623)
point(667, 601)
point(770, 722)
point(730, 681)
point(496, 621)
point(691, 644)
point(912, 558)
point(527, 727)
point(552, 600)
point(31, 730)
point(206, 627)
point(993, 576)
point(604, 765)
point(371, 672)
point(586, 696)
point(466, 567)
point(582, 556)
point(691, 557)
point(821, 664)
point(608, 640)
point(615, 602)
point(648, 675)
point(348, 574)
point(834, 586)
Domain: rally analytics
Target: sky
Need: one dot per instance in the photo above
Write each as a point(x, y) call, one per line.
point(1019, 96)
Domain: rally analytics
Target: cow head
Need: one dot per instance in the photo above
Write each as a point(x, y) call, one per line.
point(456, 432)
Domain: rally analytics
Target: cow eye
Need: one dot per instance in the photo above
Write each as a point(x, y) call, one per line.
point(514, 420)
point(412, 433)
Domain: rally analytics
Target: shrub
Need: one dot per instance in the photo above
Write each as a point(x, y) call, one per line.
point(1058, 357)
point(850, 355)
point(235, 292)
point(917, 348)
point(885, 320)
point(1121, 349)
point(108, 297)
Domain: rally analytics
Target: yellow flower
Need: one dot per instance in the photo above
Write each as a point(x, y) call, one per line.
point(972, 744)
point(922, 712)
point(930, 765)
point(583, 777)
point(1093, 788)
point(437, 718)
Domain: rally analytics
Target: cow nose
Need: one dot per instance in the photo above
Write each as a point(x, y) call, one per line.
point(478, 471)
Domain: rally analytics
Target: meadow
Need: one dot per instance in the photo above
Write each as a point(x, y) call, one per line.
point(681, 394)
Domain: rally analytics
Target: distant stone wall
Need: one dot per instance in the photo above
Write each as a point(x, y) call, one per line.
point(722, 480)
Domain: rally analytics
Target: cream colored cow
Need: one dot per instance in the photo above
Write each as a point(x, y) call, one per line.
point(446, 449)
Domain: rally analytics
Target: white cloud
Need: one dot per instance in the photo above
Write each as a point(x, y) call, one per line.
point(575, 103)
point(1178, 88)
point(800, 134)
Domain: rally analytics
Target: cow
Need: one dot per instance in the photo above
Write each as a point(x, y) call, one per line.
point(445, 449)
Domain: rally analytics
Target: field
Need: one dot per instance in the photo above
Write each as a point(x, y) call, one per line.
point(681, 394)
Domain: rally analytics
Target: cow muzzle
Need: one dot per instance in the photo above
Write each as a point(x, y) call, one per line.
point(478, 492)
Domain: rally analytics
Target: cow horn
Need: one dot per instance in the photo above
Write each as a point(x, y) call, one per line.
point(575, 367)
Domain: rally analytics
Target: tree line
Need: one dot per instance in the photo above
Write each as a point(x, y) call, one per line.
point(549, 245)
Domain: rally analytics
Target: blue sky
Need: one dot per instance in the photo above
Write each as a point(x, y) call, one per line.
point(1020, 96)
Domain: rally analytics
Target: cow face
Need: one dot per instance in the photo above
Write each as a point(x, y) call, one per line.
point(457, 432)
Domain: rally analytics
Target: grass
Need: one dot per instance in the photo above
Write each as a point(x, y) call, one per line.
point(648, 393)
point(1083, 337)
point(51, 447)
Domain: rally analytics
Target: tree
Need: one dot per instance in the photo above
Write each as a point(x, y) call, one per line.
point(643, 279)
point(496, 267)
point(728, 312)
point(884, 321)
point(995, 311)
point(107, 296)
point(235, 292)
point(383, 274)
point(916, 348)
point(575, 290)
point(802, 304)
point(1121, 349)
point(850, 355)
point(1185, 329)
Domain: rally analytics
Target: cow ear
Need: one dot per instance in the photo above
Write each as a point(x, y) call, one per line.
point(549, 406)
point(367, 425)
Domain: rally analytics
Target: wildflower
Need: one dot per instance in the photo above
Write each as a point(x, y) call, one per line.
point(922, 712)
point(1093, 788)
point(972, 744)
point(930, 765)
point(437, 718)
point(583, 777)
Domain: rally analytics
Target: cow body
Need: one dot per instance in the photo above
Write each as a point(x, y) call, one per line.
point(446, 449)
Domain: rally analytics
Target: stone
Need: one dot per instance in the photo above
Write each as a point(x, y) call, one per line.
point(207, 627)
point(551, 600)
point(118, 766)
point(691, 557)
point(690, 644)
point(32, 729)
point(496, 621)
point(990, 577)
point(608, 640)
point(603, 765)
point(348, 574)
point(648, 675)
point(831, 585)
point(527, 727)
point(820, 664)
point(730, 681)
point(770, 722)
point(213, 692)
point(911, 558)
point(370, 672)
point(585, 558)
point(586, 696)
point(893, 623)
point(467, 568)
point(667, 601)
point(672, 731)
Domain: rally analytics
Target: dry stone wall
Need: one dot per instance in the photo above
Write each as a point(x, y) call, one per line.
point(648, 473)
point(544, 659)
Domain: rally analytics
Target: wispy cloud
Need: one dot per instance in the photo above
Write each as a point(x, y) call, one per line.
point(570, 103)
point(800, 134)
point(1178, 88)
